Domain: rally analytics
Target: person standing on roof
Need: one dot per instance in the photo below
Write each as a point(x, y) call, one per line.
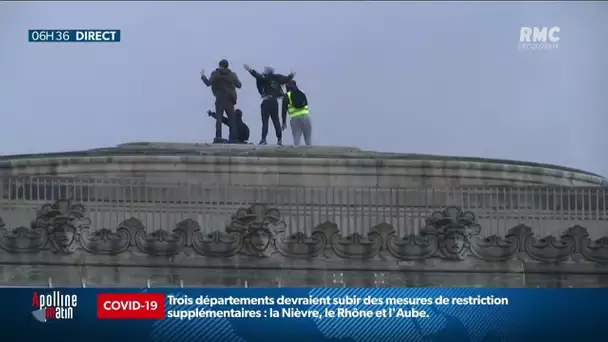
point(296, 104)
point(270, 88)
point(223, 83)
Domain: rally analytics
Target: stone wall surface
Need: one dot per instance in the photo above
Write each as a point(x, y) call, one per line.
point(185, 215)
point(91, 276)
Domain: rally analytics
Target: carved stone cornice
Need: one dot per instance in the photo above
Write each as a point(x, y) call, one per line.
point(256, 237)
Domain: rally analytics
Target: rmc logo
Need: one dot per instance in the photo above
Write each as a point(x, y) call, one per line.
point(539, 38)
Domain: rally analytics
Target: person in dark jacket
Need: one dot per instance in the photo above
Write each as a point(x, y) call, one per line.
point(242, 129)
point(223, 83)
point(270, 88)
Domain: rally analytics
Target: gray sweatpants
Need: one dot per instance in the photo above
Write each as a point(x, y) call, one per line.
point(301, 125)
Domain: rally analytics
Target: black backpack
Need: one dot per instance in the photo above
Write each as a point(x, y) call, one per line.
point(298, 99)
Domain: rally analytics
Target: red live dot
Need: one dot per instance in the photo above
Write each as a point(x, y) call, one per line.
point(130, 306)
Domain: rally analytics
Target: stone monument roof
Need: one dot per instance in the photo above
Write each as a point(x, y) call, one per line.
point(268, 151)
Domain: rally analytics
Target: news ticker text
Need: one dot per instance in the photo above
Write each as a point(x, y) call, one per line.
point(183, 307)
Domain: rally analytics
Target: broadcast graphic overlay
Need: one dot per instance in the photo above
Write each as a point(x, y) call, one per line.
point(56, 305)
point(304, 314)
point(73, 36)
point(131, 306)
point(336, 315)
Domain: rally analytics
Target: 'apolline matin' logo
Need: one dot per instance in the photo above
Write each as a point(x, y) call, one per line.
point(53, 305)
point(539, 38)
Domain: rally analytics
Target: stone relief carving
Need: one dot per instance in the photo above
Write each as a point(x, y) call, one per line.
point(453, 230)
point(258, 227)
point(259, 231)
point(62, 221)
point(22, 239)
point(104, 241)
point(596, 251)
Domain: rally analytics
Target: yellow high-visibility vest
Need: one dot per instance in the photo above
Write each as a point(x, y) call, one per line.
point(295, 112)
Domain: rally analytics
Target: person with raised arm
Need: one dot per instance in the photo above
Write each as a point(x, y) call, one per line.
point(223, 83)
point(270, 87)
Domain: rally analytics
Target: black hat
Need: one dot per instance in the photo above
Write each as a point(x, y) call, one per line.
point(224, 63)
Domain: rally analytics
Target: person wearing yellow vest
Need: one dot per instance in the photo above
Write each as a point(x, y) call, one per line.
point(296, 104)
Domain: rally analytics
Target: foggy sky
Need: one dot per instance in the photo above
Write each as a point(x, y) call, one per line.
point(438, 78)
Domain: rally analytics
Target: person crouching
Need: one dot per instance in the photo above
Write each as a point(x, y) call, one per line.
point(242, 130)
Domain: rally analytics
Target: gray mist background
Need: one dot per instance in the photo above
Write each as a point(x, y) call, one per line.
point(438, 78)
